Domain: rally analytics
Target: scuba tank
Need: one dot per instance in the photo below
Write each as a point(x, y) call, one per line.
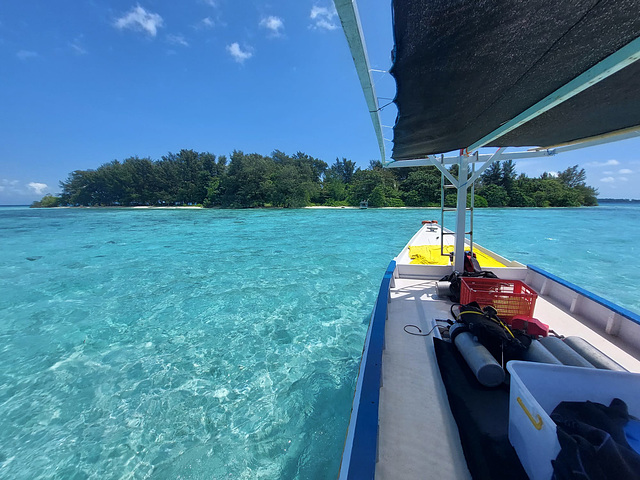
point(593, 355)
point(537, 353)
point(485, 368)
point(564, 352)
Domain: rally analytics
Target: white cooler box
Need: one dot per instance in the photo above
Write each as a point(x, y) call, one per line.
point(538, 388)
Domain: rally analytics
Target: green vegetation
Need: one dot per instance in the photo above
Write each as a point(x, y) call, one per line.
point(47, 201)
point(280, 180)
point(501, 187)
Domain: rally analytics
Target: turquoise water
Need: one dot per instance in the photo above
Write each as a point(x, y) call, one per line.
point(223, 344)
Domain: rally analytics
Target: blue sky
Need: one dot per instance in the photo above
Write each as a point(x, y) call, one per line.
point(84, 83)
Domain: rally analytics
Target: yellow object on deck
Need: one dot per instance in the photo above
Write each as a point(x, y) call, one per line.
point(430, 255)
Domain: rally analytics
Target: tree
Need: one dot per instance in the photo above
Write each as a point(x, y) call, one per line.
point(213, 193)
point(76, 189)
point(492, 175)
point(587, 195)
point(377, 197)
point(317, 166)
point(508, 175)
point(572, 177)
point(363, 184)
point(289, 190)
point(343, 170)
point(518, 199)
point(495, 195)
point(422, 187)
point(480, 202)
point(334, 192)
point(48, 201)
point(248, 181)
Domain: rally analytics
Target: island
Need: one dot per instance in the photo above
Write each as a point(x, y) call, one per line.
point(293, 181)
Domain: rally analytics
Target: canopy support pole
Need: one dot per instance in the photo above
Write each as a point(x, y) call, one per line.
point(462, 184)
point(461, 212)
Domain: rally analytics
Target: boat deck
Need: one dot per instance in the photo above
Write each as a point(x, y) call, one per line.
point(418, 437)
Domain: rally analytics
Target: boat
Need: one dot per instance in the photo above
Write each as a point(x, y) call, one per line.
point(364, 204)
point(549, 76)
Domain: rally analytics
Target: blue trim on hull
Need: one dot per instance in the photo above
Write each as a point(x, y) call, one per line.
point(585, 293)
point(362, 463)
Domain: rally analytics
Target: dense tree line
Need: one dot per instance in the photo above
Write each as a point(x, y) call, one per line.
point(280, 180)
point(500, 186)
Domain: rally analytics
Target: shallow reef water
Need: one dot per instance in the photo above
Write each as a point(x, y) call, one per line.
point(223, 344)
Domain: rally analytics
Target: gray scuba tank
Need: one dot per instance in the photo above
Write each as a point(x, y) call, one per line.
point(593, 355)
point(485, 368)
point(537, 353)
point(564, 352)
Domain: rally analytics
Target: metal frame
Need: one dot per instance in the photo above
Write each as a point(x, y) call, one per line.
point(348, 13)
point(462, 184)
point(463, 160)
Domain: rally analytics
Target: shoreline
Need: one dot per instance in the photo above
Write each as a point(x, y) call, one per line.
point(145, 207)
point(195, 207)
point(373, 208)
point(313, 207)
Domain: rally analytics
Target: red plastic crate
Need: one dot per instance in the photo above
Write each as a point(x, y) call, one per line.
point(508, 297)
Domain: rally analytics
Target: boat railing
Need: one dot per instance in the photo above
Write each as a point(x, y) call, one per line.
point(608, 317)
point(359, 455)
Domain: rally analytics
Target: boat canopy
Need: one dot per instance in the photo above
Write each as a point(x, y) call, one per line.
point(504, 73)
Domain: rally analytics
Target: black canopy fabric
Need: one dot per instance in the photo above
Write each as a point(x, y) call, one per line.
point(465, 67)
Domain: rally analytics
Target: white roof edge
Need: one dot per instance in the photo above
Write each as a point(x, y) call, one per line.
point(611, 137)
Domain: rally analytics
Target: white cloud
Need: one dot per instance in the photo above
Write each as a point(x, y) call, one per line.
point(608, 163)
point(323, 18)
point(177, 40)
point(608, 172)
point(139, 19)
point(37, 188)
point(77, 47)
point(15, 187)
point(238, 54)
point(211, 3)
point(207, 22)
point(623, 179)
point(625, 171)
point(10, 185)
point(26, 54)
point(275, 24)
point(607, 180)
